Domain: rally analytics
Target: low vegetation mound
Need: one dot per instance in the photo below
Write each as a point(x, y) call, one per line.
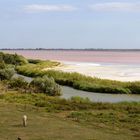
point(6, 72)
point(13, 59)
point(37, 85)
point(45, 85)
point(18, 83)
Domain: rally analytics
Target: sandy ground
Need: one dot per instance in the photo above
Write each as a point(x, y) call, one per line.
point(113, 72)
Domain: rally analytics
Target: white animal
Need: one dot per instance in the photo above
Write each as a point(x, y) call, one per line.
point(24, 120)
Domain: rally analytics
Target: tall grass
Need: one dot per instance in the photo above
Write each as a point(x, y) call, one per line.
point(75, 103)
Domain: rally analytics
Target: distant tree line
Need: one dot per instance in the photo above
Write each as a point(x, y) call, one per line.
point(71, 49)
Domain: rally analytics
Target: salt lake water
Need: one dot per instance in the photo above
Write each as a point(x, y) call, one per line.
point(106, 57)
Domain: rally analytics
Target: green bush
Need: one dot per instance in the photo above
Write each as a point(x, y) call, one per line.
point(18, 83)
point(36, 61)
point(2, 65)
point(134, 87)
point(45, 85)
point(13, 59)
point(6, 74)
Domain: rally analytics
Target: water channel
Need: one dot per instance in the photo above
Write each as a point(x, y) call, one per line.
point(68, 92)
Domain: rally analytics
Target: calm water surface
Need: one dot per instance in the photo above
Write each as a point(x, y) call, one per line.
point(99, 97)
point(115, 57)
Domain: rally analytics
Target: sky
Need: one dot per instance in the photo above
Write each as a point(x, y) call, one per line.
point(67, 24)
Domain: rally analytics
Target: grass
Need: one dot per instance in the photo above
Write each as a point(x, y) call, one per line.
point(108, 118)
point(33, 68)
point(56, 126)
point(56, 104)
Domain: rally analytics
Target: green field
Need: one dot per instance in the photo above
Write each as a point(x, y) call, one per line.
point(55, 126)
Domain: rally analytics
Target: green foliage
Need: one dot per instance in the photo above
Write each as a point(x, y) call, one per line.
point(6, 74)
point(45, 85)
point(18, 83)
point(34, 69)
point(134, 87)
point(107, 117)
point(13, 59)
point(36, 61)
point(78, 99)
point(2, 65)
point(57, 104)
point(102, 88)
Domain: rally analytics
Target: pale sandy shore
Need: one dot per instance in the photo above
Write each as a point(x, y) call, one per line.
point(108, 71)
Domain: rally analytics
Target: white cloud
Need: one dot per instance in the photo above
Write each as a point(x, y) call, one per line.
point(116, 6)
point(49, 8)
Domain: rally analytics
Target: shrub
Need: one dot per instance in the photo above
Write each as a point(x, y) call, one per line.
point(2, 65)
point(134, 87)
point(36, 61)
point(45, 85)
point(18, 83)
point(13, 59)
point(6, 74)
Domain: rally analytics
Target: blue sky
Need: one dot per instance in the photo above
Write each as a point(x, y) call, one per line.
point(70, 24)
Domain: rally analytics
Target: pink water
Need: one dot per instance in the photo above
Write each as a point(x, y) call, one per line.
point(127, 57)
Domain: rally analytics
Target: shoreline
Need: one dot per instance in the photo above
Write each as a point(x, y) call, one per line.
point(128, 58)
point(119, 72)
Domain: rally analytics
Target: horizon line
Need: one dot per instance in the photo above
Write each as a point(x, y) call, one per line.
point(90, 49)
